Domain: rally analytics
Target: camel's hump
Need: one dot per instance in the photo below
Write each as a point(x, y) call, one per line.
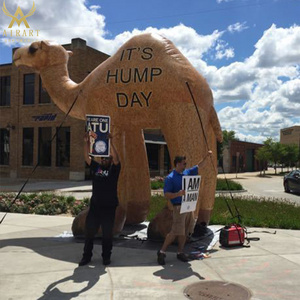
point(157, 42)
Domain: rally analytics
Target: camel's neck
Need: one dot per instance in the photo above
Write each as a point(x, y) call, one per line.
point(62, 90)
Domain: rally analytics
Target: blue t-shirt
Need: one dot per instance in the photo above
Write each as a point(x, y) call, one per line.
point(173, 182)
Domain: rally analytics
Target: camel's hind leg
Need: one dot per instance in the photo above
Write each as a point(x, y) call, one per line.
point(184, 136)
point(207, 191)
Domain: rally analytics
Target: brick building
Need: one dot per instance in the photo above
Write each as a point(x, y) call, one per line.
point(290, 135)
point(240, 157)
point(29, 120)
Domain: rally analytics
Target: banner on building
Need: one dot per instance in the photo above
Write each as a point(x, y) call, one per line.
point(99, 144)
point(191, 185)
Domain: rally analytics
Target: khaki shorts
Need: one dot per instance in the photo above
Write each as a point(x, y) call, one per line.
point(183, 224)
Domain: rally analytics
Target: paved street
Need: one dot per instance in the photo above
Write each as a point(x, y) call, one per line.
point(270, 186)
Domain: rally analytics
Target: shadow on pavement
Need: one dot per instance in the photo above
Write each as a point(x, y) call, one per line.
point(134, 237)
point(54, 248)
point(88, 276)
point(63, 248)
point(177, 271)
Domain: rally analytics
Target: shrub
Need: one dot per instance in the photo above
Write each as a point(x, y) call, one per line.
point(42, 204)
point(156, 185)
point(232, 185)
point(79, 206)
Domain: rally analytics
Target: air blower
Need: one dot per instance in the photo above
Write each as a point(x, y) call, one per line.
point(232, 235)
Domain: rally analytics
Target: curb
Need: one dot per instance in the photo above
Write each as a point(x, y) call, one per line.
point(231, 192)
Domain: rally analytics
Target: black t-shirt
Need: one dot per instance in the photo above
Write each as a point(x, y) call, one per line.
point(105, 183)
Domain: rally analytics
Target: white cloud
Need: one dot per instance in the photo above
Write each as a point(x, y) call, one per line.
point(220, 1)
point(237, 27)
point(277, 47)
point(80, 21)
point(222, 51)
point(267, 82)
point(258, 139)
point(233, 77)
point(95, 7)
point(89, 24)
point(254, 124)
point(227, 53)
point(291, 91)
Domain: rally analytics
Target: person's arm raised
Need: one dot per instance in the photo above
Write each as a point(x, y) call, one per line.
point(209, 153)
point(87, 142)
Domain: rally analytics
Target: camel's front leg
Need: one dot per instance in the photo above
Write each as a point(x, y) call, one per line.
point(134, 185)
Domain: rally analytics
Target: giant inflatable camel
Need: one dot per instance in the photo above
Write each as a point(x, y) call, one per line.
point(144, 85)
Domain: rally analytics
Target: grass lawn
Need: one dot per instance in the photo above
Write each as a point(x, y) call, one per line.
point(255, 212)
point(258, 212)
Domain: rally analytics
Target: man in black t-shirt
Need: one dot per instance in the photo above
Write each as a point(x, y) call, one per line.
point(103, 202)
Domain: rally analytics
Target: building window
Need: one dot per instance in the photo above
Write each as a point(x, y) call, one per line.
point(44, 153)
point(63, 147)
point(167, 164)
point(27, 159)
point(4, 146)
point(44, 96)
point(5, 91)
point(28, 89)
point(152, 152)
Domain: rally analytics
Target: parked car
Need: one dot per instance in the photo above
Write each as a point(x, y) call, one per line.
point(291, 181)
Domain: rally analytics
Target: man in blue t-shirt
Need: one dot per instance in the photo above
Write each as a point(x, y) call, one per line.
point(173, 191)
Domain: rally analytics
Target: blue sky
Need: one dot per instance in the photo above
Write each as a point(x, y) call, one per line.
point(248, 50)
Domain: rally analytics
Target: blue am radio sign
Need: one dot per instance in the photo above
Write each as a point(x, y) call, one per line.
point(99, 127)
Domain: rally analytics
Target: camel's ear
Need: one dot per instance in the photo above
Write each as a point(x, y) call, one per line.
point(44, 45)
point(70, 53)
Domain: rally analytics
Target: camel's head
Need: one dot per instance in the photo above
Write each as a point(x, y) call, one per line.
point(40, 55)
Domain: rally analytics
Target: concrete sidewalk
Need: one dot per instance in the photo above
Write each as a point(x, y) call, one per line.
point(39, 261)
point(38, 185)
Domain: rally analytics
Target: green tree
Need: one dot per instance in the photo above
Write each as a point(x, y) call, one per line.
point(227, 137)
point(263, 155)
point(276, 151)
point(291, 155)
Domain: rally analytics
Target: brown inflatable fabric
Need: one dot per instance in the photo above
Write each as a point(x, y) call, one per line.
point(142, 86)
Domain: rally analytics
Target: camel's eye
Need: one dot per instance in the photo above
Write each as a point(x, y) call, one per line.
point(32, 49)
